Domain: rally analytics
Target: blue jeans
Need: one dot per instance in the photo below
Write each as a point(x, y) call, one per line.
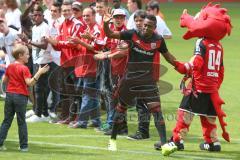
point(110, 104)
point(89, 105)
point(106, 87)
point(15, 103)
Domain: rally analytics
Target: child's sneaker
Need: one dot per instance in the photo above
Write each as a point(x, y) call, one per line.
point(212, 147)
point(112, 145)
point(169, 148)
point(3, 148)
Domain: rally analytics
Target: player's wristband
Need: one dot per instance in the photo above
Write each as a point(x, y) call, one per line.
point(35, 79)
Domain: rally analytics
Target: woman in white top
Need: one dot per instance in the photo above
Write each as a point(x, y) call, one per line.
point(13, 14)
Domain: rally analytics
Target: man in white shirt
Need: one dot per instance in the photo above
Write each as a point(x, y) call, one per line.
point(41, 56)
point(47, 12)
point(133, 6)
point(54, 24)
point(162, 29)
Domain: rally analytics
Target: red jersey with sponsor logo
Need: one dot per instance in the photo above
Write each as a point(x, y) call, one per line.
point(85, 65)
point(17, 73)
point(207, 72)
point(70, 27)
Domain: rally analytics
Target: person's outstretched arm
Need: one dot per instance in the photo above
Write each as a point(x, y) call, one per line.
point(109, 33)
point(34, 79)
point(169, 58)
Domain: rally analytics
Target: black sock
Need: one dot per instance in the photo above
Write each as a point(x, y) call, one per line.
point(117, 122)
point(160, 125)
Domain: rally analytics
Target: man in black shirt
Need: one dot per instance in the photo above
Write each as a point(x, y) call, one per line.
point(140, 78)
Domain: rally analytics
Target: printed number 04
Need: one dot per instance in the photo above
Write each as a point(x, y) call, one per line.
point(214, 60)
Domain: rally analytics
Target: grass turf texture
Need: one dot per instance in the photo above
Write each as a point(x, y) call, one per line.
point(52, 142)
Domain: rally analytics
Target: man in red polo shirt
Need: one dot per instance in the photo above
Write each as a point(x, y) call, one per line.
point(70, 27)
point(85, 71)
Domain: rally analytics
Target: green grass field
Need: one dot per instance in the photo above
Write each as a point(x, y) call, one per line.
point(53, 142)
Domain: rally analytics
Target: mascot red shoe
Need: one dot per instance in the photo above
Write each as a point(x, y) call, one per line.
point(205, 71)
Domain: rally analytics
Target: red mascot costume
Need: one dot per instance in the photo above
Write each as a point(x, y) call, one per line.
point(205, 71)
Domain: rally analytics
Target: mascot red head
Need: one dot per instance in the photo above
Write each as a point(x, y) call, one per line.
point(211, 22)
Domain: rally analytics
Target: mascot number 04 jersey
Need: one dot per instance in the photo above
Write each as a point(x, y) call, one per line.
point(208, 75)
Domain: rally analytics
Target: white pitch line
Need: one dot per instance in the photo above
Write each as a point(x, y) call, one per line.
point(125, 151)
point(105, 136)
point(84, 147)
point(72, 135)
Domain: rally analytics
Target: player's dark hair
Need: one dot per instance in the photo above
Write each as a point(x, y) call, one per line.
point(139, 3)
point(140, 13)
point(152, 18)
point(153, 4)
point(57, 5)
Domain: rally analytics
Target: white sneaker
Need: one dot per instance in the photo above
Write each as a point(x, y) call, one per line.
point(112, 145)
point(45, 119)
point(34, 119)
point(52, 115)
point(29, 113)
